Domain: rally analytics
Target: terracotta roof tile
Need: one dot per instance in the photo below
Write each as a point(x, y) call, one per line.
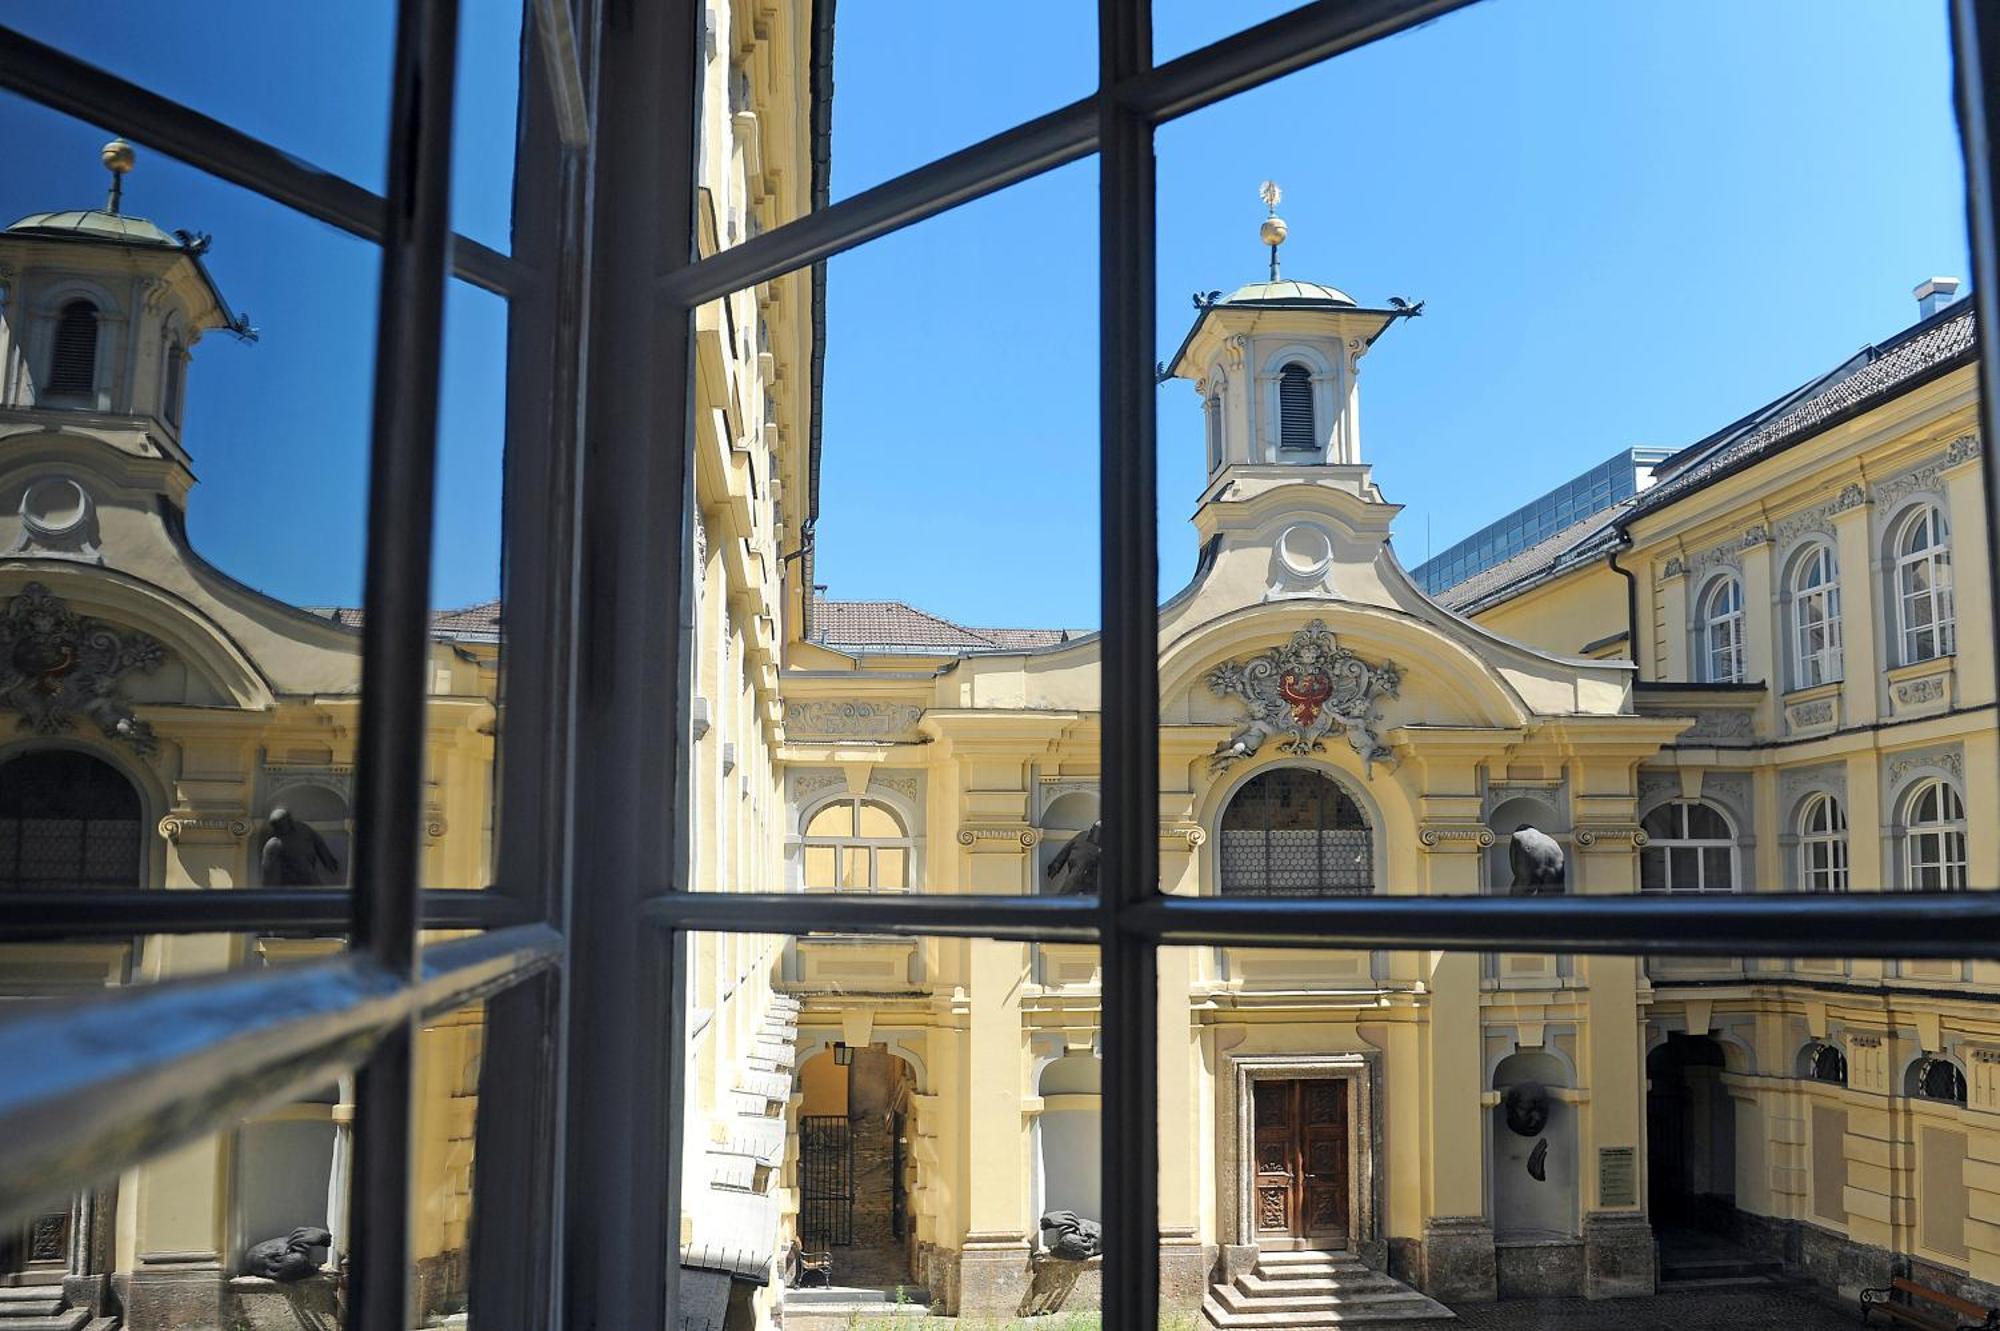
point(893, 626)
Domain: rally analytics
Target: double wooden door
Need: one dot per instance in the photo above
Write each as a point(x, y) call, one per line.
point(1300, 1191)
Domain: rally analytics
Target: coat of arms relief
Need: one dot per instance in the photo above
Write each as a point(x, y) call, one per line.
point(1300, 693)
point(56, 664)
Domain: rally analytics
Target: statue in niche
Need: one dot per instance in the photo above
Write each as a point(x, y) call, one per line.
point(1526, 1106)
point(1537, 861)
point(1073, 871)
point(1076, 1239)
point(288, 1259)
point(295, 855)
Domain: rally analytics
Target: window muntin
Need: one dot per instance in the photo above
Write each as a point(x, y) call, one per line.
point(1721, 632)
point(1293, 831)
point(1925, 622)
point(1691, 848)
point(1822, 844)
point(73, 351)
point(856, 845)
point(1295, 409)
point(1815, 598)
point(1934, 857)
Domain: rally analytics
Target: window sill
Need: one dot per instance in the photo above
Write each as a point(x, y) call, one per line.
point(1923, 688)
point(1815, 710)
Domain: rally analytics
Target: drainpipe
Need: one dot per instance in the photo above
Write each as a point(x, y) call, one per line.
point(1631, 595)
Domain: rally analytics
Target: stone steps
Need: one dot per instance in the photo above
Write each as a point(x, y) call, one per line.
point(1315, 1291)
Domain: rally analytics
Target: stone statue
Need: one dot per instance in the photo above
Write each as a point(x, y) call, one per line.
point(1073, 871)
point(1537, 861)
point(286, 1259)
point(296, 855)
point(1077, 1239)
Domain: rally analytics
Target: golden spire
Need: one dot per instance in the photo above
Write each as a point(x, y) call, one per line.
point(1274, 230)
point(118, 158)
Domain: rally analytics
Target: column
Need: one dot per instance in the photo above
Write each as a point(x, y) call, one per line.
point(1863, 655)
point(993, 1265)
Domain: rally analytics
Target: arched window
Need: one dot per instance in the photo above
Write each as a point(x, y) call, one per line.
point(1922, 590)
point(857, 845)
point(1934, 838)
point(173, 381)
point(73, 358)
point(68, 820)
point(1815, 593)
point(1295, 409)
point(1933, 1077)
point(1212, 411)
point(1720, 632)
point(1295, 832)
point(1822, 844)
point(1690, 848)
point(1823, 1061)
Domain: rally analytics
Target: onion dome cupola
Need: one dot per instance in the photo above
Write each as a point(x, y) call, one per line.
point(99, 315)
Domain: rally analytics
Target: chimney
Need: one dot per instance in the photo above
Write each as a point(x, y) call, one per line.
point(1934, 294)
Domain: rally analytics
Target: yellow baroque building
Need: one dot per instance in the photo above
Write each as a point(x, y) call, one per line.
point(1725, 681)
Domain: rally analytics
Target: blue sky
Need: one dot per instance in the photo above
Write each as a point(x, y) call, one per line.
point(1631, 222)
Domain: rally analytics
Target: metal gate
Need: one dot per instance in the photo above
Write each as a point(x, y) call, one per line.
point(826, 1182)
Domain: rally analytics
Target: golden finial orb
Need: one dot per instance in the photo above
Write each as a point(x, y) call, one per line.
point(1274, 231)
point(118, 156)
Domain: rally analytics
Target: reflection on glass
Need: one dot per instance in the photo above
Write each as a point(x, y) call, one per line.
point(886, 1125)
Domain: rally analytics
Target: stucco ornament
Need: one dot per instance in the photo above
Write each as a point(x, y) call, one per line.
point(1300, 692)
point(55, 663)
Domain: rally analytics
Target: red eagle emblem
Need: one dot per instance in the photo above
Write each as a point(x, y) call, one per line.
point(1306, 693)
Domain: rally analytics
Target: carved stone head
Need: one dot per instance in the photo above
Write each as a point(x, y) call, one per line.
point(1526, 1105)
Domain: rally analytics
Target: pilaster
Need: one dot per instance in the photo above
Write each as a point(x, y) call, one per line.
point(1861, 648)
point(994, 1261)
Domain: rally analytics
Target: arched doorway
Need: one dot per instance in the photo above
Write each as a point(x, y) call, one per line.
point(855, 1168)
point(1691, 1136)
point(68, 820)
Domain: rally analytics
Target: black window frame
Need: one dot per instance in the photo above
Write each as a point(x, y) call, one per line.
point(586, 1010)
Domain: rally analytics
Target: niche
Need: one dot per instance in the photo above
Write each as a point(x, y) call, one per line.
point(1533, 1136)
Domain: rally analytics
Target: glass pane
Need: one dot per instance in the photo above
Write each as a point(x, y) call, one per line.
point(1705, 823)
point(864, 1181)
point(1715, 867)
point(1683, 868)
point(833, 820)
point(877, 821)
point(820, 870)
point(890, 867)
point(854, 872)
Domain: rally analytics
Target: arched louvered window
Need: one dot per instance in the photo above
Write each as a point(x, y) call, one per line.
point(73, 362)
point(1295, 408)
point(175, 375)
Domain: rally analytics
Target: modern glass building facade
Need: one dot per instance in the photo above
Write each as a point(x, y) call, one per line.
point(1620, 476)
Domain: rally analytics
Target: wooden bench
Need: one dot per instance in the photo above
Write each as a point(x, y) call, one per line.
point(1923, 1306)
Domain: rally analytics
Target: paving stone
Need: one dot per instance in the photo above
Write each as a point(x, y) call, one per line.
point(1775, 1308)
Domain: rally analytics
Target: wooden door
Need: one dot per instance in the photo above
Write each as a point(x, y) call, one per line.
point(1301, 1180)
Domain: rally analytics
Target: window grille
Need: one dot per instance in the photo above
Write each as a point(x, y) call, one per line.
point(585, 1001)
point(73, 357)
point(1295, 408)
point(1292, 830)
